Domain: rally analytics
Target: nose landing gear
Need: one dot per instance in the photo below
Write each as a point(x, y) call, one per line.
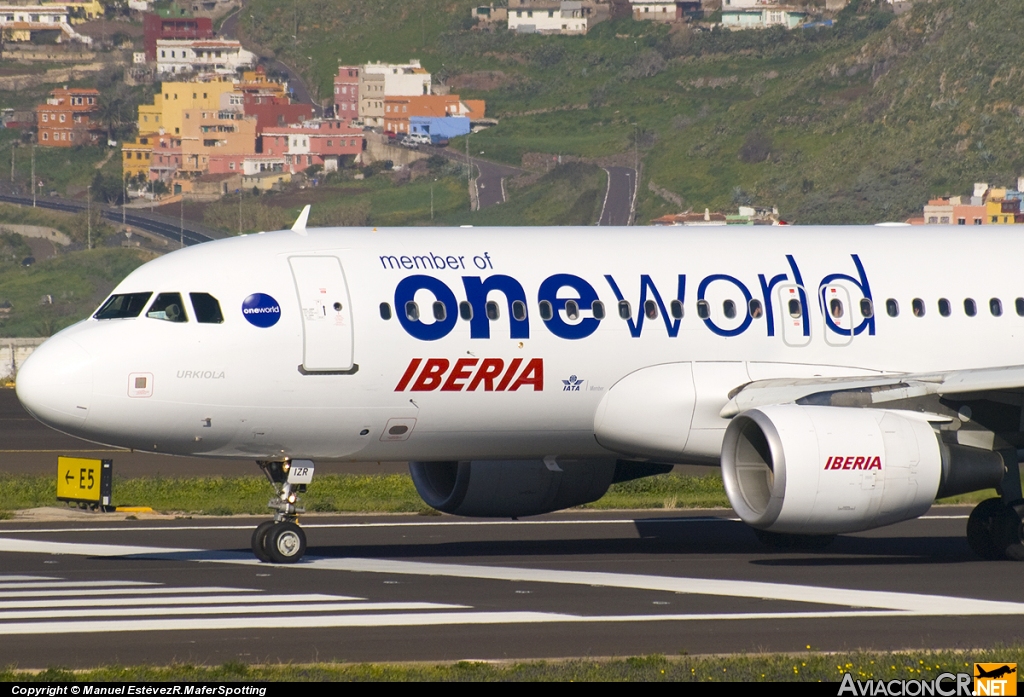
point(281, 540)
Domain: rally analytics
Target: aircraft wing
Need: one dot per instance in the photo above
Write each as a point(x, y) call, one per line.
point(873, 390)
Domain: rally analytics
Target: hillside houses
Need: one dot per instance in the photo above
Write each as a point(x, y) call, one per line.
point(988, 205)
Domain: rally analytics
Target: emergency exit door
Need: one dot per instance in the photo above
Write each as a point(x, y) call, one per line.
point(327, 335)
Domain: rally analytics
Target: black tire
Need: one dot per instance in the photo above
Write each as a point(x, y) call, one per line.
point(791, 542)
point(988, 528)
point(259, 540)
point(286, 543)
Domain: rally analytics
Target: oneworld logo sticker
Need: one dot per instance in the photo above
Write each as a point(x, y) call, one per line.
point(261, 310)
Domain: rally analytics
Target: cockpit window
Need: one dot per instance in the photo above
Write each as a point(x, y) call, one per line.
point(168, 306)
point(207, 308)
point(123, 306)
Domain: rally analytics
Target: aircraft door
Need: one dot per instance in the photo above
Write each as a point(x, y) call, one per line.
point(793, 315)
point(327, 334)
point(838, 314)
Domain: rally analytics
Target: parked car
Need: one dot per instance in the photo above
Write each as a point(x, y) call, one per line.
point(391, 135)
point(418, 139)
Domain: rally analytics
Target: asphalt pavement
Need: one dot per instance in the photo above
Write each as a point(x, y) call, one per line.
point(617, 208)
point(92, 591)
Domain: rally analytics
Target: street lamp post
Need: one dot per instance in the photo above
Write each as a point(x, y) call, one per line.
point(32, 183)
point(88, 215)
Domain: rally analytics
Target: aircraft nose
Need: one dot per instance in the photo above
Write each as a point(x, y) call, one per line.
point(55, 383)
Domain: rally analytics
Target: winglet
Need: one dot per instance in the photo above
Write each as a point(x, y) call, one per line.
point(300, 222)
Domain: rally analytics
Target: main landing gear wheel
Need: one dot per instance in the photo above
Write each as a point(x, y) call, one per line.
point(994, 530)
point(259, 540)
point(791, 542)
point(281, 540)
point(285, 543)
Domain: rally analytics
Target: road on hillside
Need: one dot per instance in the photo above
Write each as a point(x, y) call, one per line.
point(617, 208)
point(187, 232)
point(490, 181)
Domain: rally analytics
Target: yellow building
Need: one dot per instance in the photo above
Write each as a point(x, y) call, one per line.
point(999, 210)
point(177, 97)
point(150, 115)
point(80, 12)
point(136, 157)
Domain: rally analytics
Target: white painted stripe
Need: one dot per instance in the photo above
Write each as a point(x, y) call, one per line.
point(38, 547)
point(71, 585)
point(935, 605)
point(410, 524)
point(122, 591)
point(287, 606)
point(301, 622)
point(410, 620)
point(419, 523)
point(192, 599)
point(930, 605)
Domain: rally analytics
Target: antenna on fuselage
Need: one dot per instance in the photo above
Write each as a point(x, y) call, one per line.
point(300, 222)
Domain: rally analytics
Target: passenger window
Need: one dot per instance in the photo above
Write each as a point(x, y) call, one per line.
point(651, 309)
point(835, 306)
point(703, 309)
point(995, 306)
point(465, 310)
point(1020, 307)
point(207, 308)
point(729, 309)
point(944, 308)
point(493, 312)
point(892, 308)
point(385, 311)
point(545, 310)
point(598, 309)
point(572, 310)
point(755, 309)
point(440, 313)
point(123, 306)
point(970, 307)
point(676, 308)
point(412, 311)
point(625, 311)
point(168, 307)
point(917, 307)
point(519, 310)
point(794, 308)
point(867, 308)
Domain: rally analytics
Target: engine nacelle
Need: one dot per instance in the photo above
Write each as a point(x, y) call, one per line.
point(514, 488)
point(825, 470)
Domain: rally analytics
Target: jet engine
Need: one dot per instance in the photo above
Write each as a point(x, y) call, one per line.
point(827, 470)
point(514, 488)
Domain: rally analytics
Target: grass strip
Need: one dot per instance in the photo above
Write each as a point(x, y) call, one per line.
point(351, 493)
point(805, 667)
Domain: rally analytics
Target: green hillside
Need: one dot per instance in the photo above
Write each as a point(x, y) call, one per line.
point(858, 123)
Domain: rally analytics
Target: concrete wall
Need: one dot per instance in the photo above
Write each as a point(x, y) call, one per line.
point(13, 353)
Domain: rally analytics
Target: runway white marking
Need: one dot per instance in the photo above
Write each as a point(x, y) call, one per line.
point(5, 585)
point(891, 603)
point(418, 524)
point(287, 606)
point(116, 591)
point(239, 607)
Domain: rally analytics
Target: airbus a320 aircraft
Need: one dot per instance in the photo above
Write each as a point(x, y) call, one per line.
point(844, 377)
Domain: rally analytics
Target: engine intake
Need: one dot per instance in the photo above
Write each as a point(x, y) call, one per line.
point(826, 470)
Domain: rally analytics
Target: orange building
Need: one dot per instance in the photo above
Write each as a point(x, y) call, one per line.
point(210, 132)
point(398, 110)
point(69, 118)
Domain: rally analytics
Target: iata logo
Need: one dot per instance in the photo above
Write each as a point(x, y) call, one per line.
point(572, 384)
point(851, 462)
point(472, 374)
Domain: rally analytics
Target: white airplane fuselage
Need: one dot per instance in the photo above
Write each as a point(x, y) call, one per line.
point(332, 378)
